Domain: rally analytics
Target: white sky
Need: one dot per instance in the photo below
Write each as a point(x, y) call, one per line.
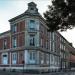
point(12, 8)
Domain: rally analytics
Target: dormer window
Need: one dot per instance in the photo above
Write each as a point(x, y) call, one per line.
point(32, 9)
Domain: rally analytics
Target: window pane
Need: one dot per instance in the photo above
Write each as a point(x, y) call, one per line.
point(14, 42)
point(41, 42)
point(53, 35)
point(32, 40)
point(5, 44)
point(32, 25)
point(4, 59)
point(14, 58)
point(14, 28)
point(42, 58)
point(32, 55)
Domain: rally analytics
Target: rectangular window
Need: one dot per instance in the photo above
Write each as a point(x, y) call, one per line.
point(32, 25)
point(42, 58)
point(62, 55)
point(51, 59)
point(41, 42)
point(50, 45)
point(47, 44)
point(5, 43)
point(32, 57)
point(47, 59)
point(14, 28)
point(50, 35)
point(14, 42)
point(14, 58)
point(64, 48)
point(53, 46)
point(5, 59)
point(60, 46)
point(53, 35)
point(32, 40)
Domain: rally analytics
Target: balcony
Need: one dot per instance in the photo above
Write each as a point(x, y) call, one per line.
point(32, 30)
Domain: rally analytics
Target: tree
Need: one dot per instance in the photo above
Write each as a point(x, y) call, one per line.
point(60, 15)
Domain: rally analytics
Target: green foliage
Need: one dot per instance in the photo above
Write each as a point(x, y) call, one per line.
point(61, 15)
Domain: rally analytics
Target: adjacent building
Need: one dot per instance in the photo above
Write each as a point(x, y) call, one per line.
point(28, 43)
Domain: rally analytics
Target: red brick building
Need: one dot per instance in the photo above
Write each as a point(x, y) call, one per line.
point(29, 40)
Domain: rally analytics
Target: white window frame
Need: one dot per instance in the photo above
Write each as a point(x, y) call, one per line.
point(47, 59)
point(53, 46)
point(53, 35)
point(42, 58)
point(60, 46)
point(32, 40)
point(14, 42)
point(51, 59)
point(14, 28)
point(64, 47)
point(32, 57)
point(50, 45)
point(32, 25)
point(14, 58)
point(41, 42)
point(6, 62)
point(5, 43)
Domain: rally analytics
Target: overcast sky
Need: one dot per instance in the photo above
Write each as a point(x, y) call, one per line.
point(12, 8)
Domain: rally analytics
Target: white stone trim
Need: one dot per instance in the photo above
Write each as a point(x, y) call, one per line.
point(30, 68)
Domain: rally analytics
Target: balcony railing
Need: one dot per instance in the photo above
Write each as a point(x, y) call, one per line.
point(32, 30)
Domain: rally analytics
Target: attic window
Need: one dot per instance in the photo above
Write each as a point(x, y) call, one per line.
point(32, 9)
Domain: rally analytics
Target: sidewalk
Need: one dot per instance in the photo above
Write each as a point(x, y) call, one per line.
point(21, 73)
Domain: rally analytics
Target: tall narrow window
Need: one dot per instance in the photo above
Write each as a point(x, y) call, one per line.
point(50, 45)
point(32, 25)
point(51, 59)
point(5, 43)
point(14, 28)
point(32, 57)
point(47, 59)
point(14, 58)
point(60, 46)
point(64, 47)
point(47, 44)
point(32, 40)
point(14, 42)
point(53, 46)
point(53, 35)
point(41, 42)
point(4, 59)
point(42, 58)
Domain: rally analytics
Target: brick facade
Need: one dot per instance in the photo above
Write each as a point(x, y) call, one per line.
point(30, 41)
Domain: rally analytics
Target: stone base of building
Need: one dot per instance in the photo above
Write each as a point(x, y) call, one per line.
point(28, 69)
